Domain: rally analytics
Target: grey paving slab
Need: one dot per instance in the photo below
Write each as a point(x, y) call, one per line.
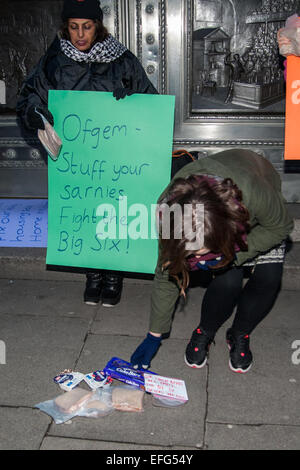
point(46, 328)
point(21, 428)
point(232, 437)
point(182, 426)
point(37, 348)
point(60, 443)
point(131, 316)
point(268, 393)
point(30, 263)
point(28, 297)
point(285, 312)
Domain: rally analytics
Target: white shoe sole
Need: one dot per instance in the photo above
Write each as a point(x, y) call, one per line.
point(239, 370)
point(195, 366)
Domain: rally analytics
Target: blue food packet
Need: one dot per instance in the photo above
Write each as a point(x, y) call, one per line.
point(97, 380)
point(124, 372)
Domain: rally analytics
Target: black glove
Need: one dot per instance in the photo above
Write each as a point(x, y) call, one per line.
point(34, 120)
point(142, 356)
point(121, 92)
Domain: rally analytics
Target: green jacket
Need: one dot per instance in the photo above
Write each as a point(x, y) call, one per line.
point(269, 220)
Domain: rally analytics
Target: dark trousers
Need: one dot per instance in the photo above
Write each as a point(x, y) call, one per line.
point(253, 301)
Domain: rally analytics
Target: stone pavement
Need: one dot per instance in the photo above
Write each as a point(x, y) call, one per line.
point(46, 328)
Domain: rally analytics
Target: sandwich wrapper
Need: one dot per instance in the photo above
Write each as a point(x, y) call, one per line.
point(102, 398)
point(68, 380)
point(49, 139)
point(78, 402)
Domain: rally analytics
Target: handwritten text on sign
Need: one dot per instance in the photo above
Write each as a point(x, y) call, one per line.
point(165, 386)
point(114, 164)
point(23, 222)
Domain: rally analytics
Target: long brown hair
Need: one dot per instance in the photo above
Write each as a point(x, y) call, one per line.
point(225, 222)
point(101, 32)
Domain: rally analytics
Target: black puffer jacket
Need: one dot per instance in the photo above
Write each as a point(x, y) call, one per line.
point(56, 71)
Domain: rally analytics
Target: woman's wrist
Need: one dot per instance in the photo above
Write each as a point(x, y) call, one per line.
point(157, 335)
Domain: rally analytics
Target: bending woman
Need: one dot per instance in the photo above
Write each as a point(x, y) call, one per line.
point(245, 224)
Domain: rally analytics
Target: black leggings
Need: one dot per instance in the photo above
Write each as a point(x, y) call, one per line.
point(253, 301)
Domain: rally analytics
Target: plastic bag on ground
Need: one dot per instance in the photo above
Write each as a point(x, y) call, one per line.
point(100, 404)
point(78, 402)
point(166, 402)
point(65, 406)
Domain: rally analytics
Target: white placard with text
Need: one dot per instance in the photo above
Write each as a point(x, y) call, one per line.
point(166, 387)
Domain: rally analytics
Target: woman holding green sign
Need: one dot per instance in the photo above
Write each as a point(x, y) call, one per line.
point(244, 225)
point(84, 57)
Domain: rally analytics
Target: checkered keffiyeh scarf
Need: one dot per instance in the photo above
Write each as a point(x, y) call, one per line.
point(107, 51)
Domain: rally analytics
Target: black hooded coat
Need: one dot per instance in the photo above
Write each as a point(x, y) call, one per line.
point(56, 71)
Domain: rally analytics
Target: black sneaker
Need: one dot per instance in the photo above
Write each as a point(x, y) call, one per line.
point(92, 293)
point(112, 290)
point(197, 350)
point(240, 355)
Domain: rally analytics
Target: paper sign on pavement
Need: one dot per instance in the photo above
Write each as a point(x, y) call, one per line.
point(166, 387)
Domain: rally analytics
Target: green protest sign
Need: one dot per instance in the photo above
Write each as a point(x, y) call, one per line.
point(114, 163)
